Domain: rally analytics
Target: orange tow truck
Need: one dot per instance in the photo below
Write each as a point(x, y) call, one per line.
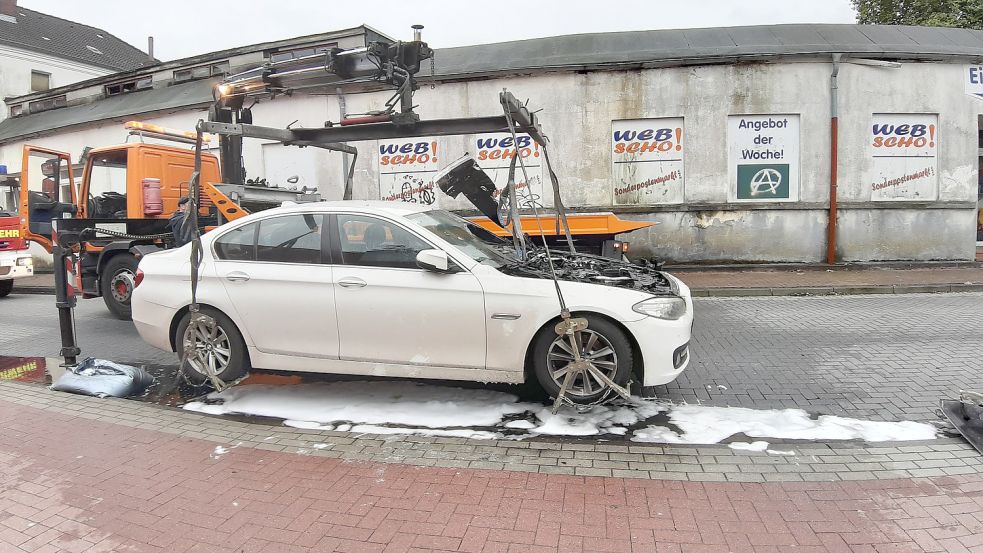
point(125, 196)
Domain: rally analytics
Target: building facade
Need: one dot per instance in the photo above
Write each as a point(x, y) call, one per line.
point(40, 52)
point(723, 137)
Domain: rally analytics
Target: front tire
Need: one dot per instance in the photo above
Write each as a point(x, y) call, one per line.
point(5, 287)
point(220, 349)
point(603, 343)
point(117, 285)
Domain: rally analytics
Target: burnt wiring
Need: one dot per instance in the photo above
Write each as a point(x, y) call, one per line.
point(592, 269)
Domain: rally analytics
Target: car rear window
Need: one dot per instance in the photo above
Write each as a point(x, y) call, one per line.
point(239, 244)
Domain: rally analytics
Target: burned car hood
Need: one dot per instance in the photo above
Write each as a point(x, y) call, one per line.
point(593, 269)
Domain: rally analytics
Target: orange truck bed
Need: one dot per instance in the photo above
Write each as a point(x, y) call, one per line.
point(581, 224)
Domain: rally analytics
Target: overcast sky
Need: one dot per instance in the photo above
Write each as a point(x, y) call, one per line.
point(184, 28)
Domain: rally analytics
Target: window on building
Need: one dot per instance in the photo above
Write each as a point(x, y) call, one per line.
point(40, 81)
point(201, 72)
point(123, 87)
point(301, 52)
point(47, 103)
point(16, 110)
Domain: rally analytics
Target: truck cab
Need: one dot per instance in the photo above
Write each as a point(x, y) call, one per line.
point(15, 260)
point(128, 189)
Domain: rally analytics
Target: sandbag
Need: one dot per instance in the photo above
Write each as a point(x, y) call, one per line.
point(101, 378)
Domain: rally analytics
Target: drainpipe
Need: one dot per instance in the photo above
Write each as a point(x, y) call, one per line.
point(833, 150)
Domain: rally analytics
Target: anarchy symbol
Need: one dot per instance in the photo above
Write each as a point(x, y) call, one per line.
point(766, 181)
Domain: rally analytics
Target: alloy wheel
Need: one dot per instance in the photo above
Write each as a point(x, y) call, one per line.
point(208, 347)
point(594, 349)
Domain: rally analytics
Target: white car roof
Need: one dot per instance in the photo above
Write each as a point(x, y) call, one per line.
point(367, 206)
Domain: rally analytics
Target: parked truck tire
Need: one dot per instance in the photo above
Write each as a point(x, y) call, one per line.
point(5, 287)
point(116, 284)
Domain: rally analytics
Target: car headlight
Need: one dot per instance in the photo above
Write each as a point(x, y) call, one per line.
point(25, 261)
point(669, 307)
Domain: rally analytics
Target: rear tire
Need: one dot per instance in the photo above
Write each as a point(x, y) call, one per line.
point(5, 287)
point(117, 285)
point(222, 349)
point(602, 342)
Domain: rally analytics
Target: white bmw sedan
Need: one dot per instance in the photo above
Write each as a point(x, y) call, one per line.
point(400, 290)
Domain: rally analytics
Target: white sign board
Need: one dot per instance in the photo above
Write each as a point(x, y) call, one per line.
point(974, 80)
point(647, 161)
point(904, 148)
point(763, 158)
point(494, 153)
point(406, 170)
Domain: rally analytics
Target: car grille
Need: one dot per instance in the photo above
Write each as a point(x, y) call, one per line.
point(680, 356)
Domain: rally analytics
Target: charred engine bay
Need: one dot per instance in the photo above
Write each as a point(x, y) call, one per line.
point(594, 270)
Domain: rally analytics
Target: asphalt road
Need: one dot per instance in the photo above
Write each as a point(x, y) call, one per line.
point(881, 357)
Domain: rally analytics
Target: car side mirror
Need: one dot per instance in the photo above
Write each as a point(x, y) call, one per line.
point(435, 260)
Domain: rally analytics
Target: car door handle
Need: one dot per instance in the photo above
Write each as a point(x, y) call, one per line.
point(351, 282)
point(237, 276)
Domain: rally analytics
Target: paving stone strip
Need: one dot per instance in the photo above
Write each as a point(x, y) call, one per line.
point(810, 462)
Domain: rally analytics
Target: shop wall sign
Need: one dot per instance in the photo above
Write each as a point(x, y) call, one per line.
point(494, 153)
point(763, 158)
point(904, 151)
point(406, 170)
point(647, 161)
point(973, 78)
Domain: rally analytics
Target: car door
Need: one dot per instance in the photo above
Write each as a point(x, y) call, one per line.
point(279, 279)
point(391, 311)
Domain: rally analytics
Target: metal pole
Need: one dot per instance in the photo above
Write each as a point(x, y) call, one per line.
point(65, 300)
point(342, 110)
point(833, 152)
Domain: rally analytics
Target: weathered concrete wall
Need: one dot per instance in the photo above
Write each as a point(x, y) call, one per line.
point(731, 235)
point(577, 114)
point(907, 234)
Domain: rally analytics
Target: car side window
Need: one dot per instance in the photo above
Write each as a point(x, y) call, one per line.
point(374, 242)
point(290, 239)
point(239, 244)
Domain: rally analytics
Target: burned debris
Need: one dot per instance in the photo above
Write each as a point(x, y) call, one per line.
point(578, 267)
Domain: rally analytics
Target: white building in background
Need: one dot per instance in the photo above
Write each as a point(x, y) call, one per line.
point(39, 52)
point(721, 136)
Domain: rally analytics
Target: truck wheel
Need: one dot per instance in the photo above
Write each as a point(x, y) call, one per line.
point(602, 343)
point(117, 285)
point(220, 349)
point(5, 287)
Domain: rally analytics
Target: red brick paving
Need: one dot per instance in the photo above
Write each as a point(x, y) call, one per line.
point(77, 485)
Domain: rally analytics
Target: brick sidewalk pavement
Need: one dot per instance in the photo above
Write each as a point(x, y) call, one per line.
point(69, 483)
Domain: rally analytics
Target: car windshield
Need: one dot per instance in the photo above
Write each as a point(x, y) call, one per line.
point(483, 246)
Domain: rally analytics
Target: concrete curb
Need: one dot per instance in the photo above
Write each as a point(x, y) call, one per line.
point(816, 267)
point(32, 290)
point(838, 290)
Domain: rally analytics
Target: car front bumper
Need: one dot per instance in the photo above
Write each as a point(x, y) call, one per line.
point(664, 344)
